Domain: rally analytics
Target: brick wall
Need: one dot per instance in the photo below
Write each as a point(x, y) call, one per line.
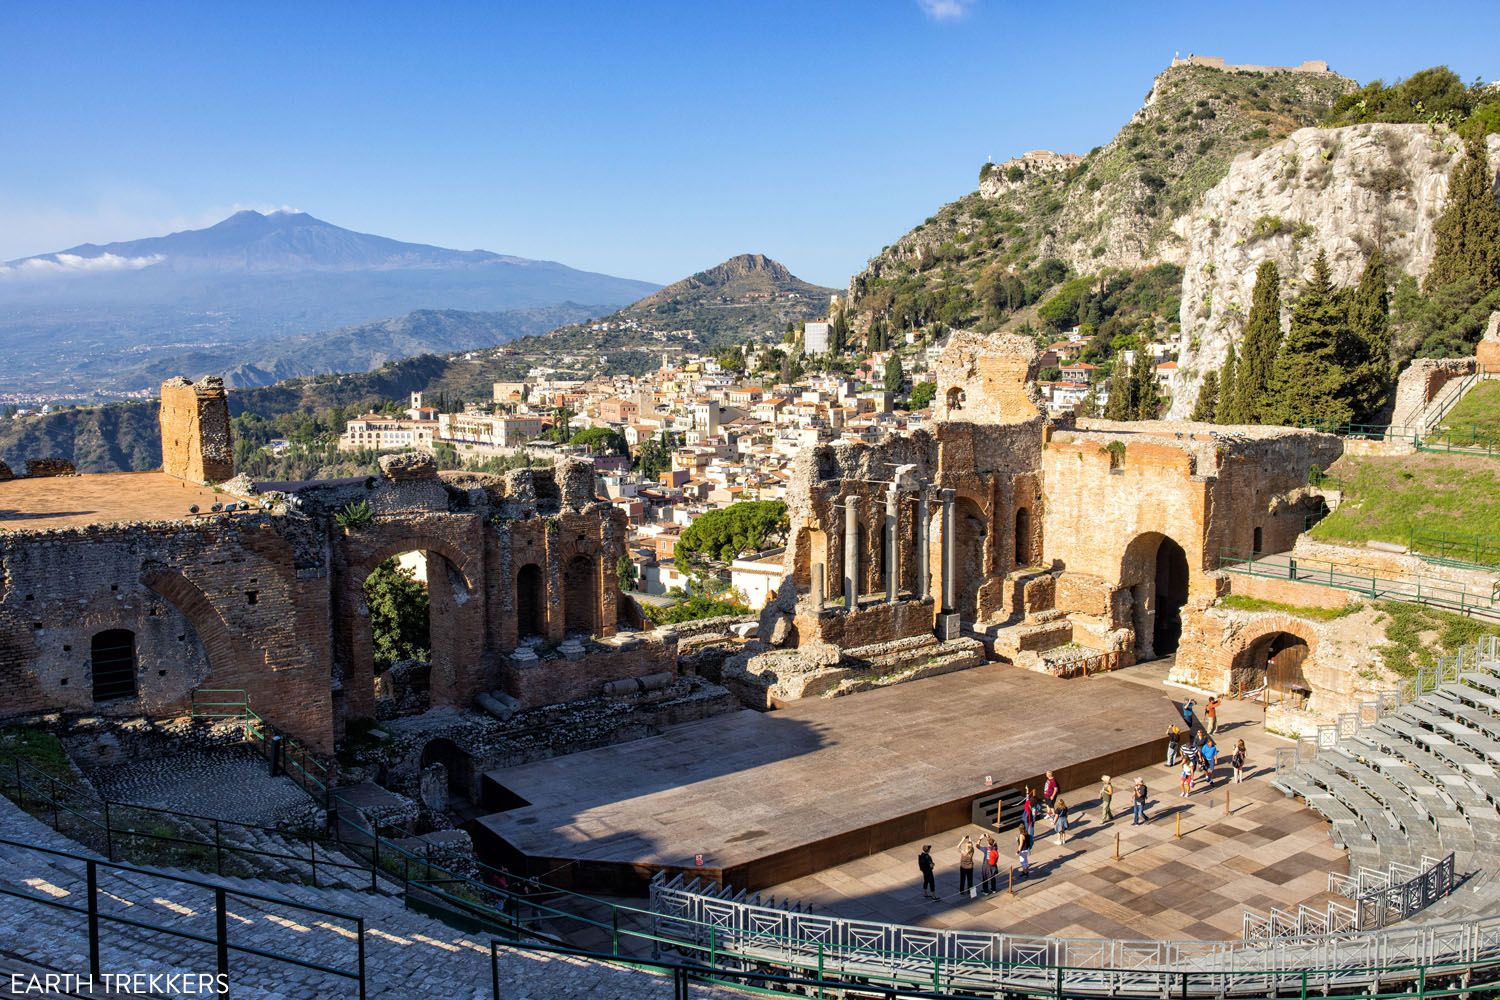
point(195, 439)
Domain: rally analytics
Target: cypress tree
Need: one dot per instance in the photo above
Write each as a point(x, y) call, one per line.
point(1468, 231)
point(1208, 399)
point(1365, 347)
point(1224, 411)
point(1258, 347)
point(1143, 386)
point(1091, 401)
point(1307, 382)
point(1121, 404)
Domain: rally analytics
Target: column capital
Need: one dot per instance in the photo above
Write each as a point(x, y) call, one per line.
point(948, 494)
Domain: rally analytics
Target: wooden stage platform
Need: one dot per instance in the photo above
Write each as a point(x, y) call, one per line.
point(769, 797)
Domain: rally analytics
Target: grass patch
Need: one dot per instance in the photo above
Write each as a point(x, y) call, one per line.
point(1387, 498)
point(1417, 635)
point(1237, 602)
point(1476, 416)
point(38, 748)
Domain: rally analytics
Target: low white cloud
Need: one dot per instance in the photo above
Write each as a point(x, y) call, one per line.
point(72, 263)
point(946, 10)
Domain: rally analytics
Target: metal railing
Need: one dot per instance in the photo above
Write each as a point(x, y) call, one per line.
point(1463, 551)
point(114, 826)
point(1342, 576)
point(299, 763)
point(220, 939)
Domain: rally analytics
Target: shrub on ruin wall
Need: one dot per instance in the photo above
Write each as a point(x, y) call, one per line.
point(354, 516)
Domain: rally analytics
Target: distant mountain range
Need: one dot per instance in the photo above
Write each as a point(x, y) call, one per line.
point(245, 294)
point(748, 296)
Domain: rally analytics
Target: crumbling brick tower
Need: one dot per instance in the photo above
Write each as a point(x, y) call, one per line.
point(195, 441)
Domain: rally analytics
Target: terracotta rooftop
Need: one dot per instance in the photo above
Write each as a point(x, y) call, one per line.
point(45, 503)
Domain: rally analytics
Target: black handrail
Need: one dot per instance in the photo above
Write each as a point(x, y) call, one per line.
point(220, 939)
point(112, 830)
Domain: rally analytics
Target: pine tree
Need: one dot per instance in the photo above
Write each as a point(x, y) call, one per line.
point(1143, 386)
point(1258, 347)
point(1121, 403)
point(1468, 231)
point(1365, 347)
point(1223, 412)
point(1208, 399)
point(1307, 382)
point(1091, 401)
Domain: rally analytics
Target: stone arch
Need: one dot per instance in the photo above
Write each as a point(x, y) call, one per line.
point(971, 568)
point(581, 595)
point(1272, 652)
point(458, 764)
point(224, 649)
point(455, 621)
point(531, 601)
point(1156, 571)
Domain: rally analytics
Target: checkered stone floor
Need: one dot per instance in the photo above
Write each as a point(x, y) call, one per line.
point(1267, 851)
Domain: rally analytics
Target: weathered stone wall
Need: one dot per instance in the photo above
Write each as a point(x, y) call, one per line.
point(273, 604)
point(987, 379)
point(1421, 382)
point(195, 440)
point(581, 670)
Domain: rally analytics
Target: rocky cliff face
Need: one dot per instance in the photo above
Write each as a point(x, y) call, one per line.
point(1345, 191)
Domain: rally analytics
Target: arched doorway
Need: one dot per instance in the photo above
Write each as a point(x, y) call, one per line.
point(112, 664)
point(1023, 537)
point(968, 553)
point(1155, 569)
point(580, 595)
point(1171, 595)
point(530, 619)
point(1275, 660)
point(396, 595)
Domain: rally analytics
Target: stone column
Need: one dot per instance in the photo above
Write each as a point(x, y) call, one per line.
point(949, 570)
point(924, 566)
point(892, 571)
point(851, 552)
point(947, 619)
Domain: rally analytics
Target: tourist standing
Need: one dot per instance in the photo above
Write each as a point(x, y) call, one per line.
point(1028, 813)
point(965, 865)
point(1185, 781)
point(1210, 754)
point(1106, 796)
point(1211, 715)
point(1023, 851)
point(1238, 760)
point(991, 866)
point(925, 864)
point(1187, 715)
point(1174, 741)
point(1060, 819)
point(1049, 789)
point(1138, 803)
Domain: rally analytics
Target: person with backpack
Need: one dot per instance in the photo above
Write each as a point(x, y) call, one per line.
point(926, 866)
point(1138, 803)
point(965, 864)
point(1238, 760)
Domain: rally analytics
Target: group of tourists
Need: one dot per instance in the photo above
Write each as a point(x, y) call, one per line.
point(1194, 750)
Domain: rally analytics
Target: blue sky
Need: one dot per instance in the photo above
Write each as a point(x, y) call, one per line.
point(643, 139)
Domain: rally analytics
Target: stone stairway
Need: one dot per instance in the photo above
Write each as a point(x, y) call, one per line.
point(407, 954)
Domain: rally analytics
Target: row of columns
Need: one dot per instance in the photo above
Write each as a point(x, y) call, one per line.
point(892, 558)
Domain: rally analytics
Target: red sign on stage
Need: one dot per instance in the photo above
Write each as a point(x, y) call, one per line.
point(698, 860)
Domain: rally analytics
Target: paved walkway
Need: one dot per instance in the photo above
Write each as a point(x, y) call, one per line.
point(1268, 851)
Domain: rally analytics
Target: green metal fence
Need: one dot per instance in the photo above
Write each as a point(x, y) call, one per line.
point(234, 704)
point(1342, 576)
point(1479, 552)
